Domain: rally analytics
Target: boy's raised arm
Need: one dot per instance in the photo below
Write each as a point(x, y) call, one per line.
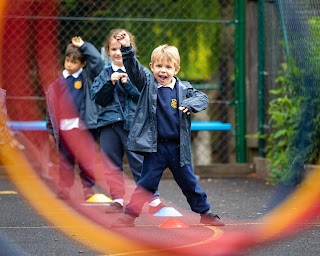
point(123, 39)
point(136, 72)
point(93, 57)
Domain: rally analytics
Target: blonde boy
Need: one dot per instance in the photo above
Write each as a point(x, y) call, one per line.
point(161, 129)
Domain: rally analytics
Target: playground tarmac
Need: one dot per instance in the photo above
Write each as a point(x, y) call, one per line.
point(241, 202)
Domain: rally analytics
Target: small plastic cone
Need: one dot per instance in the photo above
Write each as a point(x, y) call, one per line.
point(173, 223)
point(168, 212)
point(99, 198)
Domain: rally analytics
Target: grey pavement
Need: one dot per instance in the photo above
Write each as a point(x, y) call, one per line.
point(236, 199)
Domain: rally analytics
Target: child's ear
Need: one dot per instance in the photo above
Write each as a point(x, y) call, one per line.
point(177, 70)
point(83, 64)
point(151, 66)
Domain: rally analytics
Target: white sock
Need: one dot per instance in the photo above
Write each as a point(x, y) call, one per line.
point(155, 202)
point(118, 200)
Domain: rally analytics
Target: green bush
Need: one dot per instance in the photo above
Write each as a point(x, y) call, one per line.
point(284, 112)
point(294, 112)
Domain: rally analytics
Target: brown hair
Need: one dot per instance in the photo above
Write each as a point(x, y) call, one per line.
point(74, 53)
point(113, 33)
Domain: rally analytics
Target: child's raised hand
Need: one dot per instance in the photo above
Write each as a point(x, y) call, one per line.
point(185, 110)
point(77, 41)
point(123, 38)
point(123, 77)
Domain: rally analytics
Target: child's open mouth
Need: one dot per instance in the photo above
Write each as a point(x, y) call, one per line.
point(162, 78)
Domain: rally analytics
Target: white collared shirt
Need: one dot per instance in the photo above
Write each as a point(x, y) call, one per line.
point(115, 68)
point(69, 124)
point(171, 85)
point(75, 75)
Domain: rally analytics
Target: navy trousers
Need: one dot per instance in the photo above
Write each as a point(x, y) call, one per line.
point(76, 146)
point(113, 141)
point(167, 156)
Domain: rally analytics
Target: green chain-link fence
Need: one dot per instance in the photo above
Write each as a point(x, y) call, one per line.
point(289, 35)
point(36, 33)
point(271, 57)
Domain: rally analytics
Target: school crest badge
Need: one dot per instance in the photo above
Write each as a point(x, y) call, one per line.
point(77, 84)
point(174, 103)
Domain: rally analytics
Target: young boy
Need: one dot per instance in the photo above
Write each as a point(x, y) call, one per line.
point(161, 130)
point(72, 115)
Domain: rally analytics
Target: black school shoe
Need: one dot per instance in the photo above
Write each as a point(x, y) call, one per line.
point(211, 219)
point(114, 208)
point(124, 221)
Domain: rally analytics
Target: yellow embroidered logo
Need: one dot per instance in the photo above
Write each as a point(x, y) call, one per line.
point(174, 103)
point(77, 84)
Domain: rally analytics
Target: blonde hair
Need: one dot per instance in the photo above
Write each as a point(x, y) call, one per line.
point(167, 53)
point(113, 33)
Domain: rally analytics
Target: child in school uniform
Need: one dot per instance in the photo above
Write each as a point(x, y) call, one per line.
point(161, 130)
point(118, 97)
point(72, 116)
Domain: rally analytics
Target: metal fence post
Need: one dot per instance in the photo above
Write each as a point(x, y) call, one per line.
point(261, 73)
point(240, 86)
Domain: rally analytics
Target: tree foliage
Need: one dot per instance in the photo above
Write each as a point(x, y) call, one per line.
point(193, 26)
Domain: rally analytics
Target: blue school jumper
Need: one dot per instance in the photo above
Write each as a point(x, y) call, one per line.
point(168, 114)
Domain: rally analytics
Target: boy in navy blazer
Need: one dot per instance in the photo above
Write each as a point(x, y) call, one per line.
point(161, 130)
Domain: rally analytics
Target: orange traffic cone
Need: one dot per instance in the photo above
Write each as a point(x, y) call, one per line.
point(173, 223)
